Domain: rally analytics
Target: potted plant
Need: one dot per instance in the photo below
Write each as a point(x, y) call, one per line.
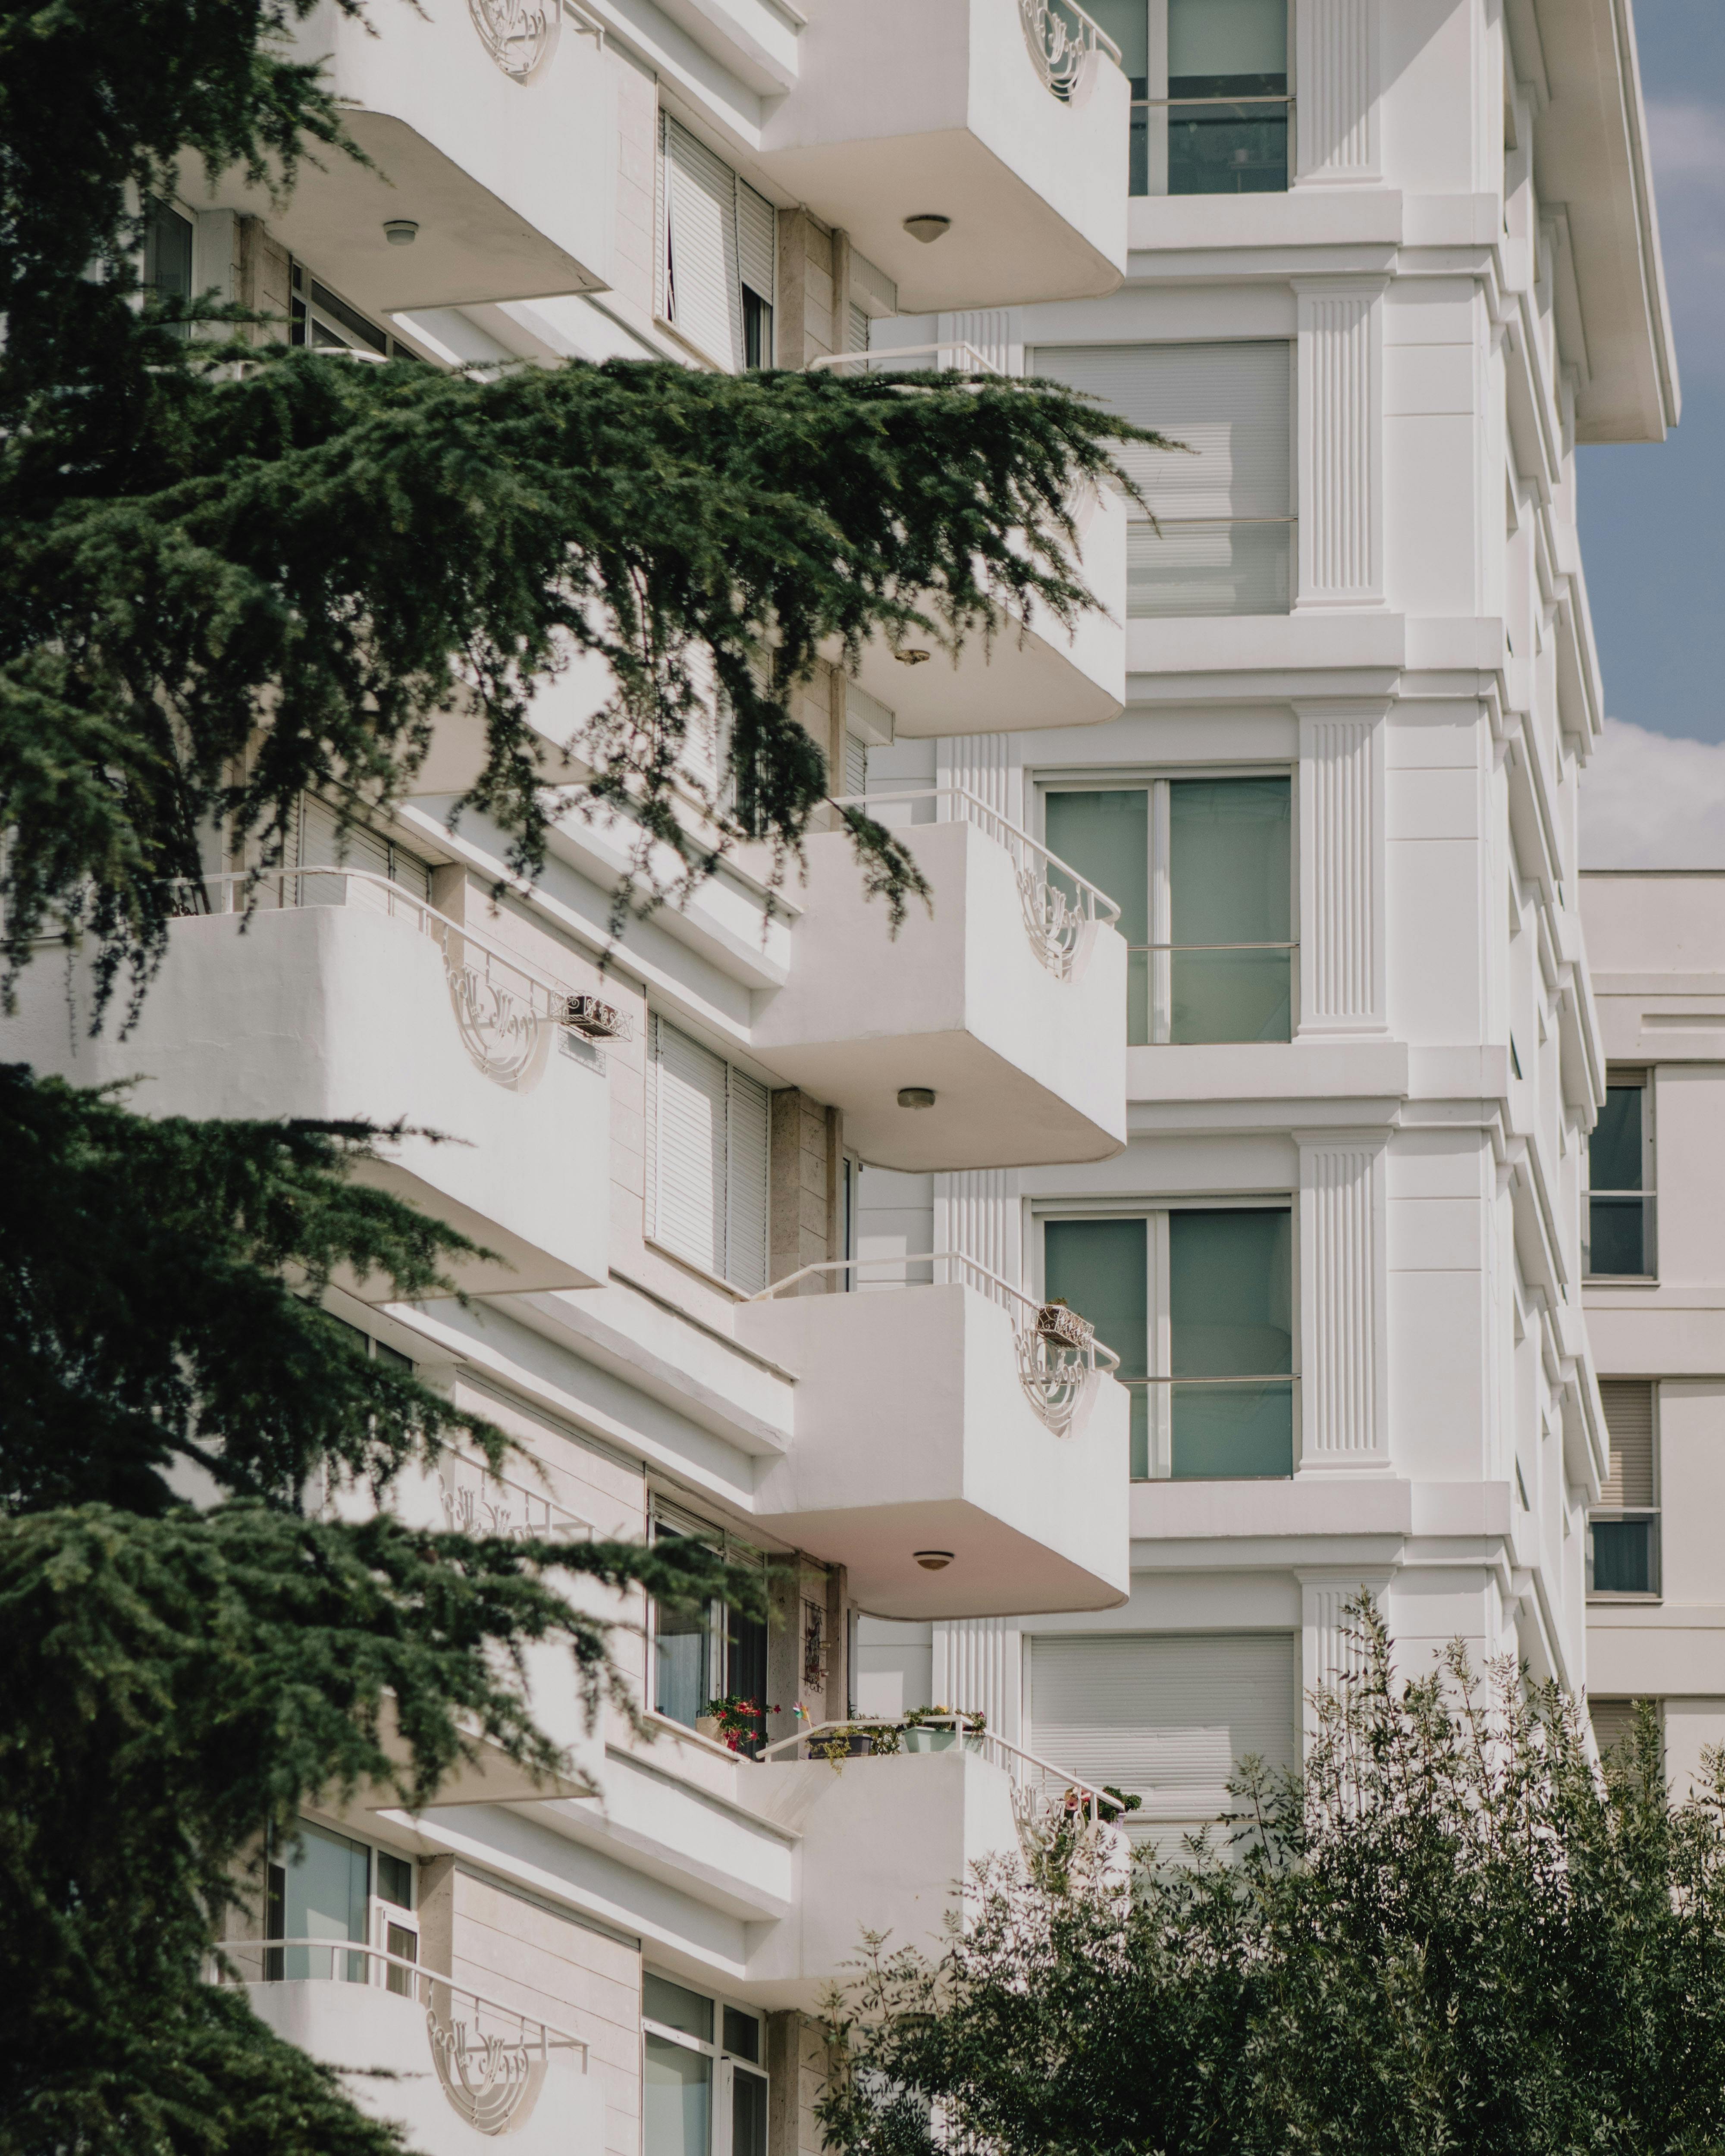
point(738, 1724)
point(855, 1741)
point(938, 1728)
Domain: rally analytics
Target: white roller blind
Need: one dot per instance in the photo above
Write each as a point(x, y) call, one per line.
point(708, 1175)
point(703, 296)
point(1629, 1419)
point(322, 844)
point(1167, 1716)
point(757, 242)
point(1228, 404)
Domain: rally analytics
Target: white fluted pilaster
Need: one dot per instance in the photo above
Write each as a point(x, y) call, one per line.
point(1340, 364)
point(977, 1663)
point(976, 1212)
point(1342, 985)
point(1330, 1652)
point(994, 331)
point(1343, 1286)
point(982, 765)
point(1336, 117)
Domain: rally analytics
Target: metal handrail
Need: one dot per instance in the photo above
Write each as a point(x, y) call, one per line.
point(973, 363)
point(550, 2035)
point(1262, 1378)
point(1246, 97)
point(1013, 1761)
point(433, 924)
point(1212, 946)
point(1097, 903)
point(997, 1287)
point(526, 1530)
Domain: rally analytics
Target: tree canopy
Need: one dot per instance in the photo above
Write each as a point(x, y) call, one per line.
point(1451, 1934)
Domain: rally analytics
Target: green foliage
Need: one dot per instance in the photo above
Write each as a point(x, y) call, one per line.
point(1452, 1937)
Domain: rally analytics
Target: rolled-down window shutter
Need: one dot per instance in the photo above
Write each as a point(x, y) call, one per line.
point(1228, 404)
point(1629, 1419)
point(708, 1180)
point(703, 296)
point(1168, 1716)
point(321, 843)
point(757, 242)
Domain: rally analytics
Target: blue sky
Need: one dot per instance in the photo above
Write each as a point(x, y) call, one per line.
point(1650, 516)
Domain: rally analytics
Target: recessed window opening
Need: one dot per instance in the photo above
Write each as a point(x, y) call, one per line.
point(1202, 869)
point(328, 1886)
point(1209, 81)
point(1197, 1303)
point(1623, 1551)
point(168, 240)
point(1622, 1199)
point(705, 2089)
point(1222, 541)
point(711, 1652)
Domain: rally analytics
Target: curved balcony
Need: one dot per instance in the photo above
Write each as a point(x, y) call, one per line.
point(448, 2065)
point(1006, 1001)
point(490, 127)
point(960, 1448)
point(1007, 118)
point(343, 996)
point(886, 1840)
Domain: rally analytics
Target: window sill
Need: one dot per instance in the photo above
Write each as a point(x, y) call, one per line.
point(1608, 1600)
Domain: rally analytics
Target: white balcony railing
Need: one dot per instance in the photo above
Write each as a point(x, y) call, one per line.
point(490, 2059)
point(1060, 1356)
point(506, 1008)
point(955, 356)
point(1061, 907)
point(1064, 43)
point(477, 1501)
point(1046, 1801)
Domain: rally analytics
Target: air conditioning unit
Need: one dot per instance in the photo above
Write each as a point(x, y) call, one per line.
point(598, 1021)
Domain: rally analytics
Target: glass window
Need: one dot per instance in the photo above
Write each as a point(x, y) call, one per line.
point(167, 256)
point(694, 2086)
point(395, 1880)
point(320, 1891)
point(1198, 1307)
point(701, 1655)
point(1620, 1204)
point(1623, 1528)
point(1231, 1308)
point(1623, 1557)
point(1128, 22)
point(1101, 1269)
point(1202, 869)
point(1227, 104)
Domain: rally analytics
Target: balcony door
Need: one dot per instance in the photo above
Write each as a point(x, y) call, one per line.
point(321, 1889)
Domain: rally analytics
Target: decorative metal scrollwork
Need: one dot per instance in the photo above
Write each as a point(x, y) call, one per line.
point(491, 2082)
point(1058, 929)
point(1057, 1366)
point(500, 1027)
point(1062, 41)
point(520, 35)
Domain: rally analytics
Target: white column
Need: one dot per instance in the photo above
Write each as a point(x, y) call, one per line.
point(1340, 366)
point(1342, 1288)
point(992, 331)
point(1341, 868)
point(1329, 1652)
point(977, 1663)
point(976, 1212)
point(982, 765)
point(1336, 87)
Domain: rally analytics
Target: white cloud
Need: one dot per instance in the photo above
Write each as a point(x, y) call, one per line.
point(1687, 138)
point(1648, 801)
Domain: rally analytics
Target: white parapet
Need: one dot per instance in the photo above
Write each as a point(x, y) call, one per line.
point(932, 1424)
point(995, 114)
point(372, 1008)
point(1005, 998)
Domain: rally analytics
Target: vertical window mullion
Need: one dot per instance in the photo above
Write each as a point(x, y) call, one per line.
point(1162, 913)
point(1162, 1363)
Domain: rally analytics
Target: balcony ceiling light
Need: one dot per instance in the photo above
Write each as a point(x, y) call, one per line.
point(915, 1097)
point(933, 1560)
point(927, 226)
point(400, 231)
point(915, 656)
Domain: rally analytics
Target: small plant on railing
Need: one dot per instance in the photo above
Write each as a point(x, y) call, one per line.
point(738, 1722)
point(939, 1728)
point(1111, 1813)
point(855, 1740)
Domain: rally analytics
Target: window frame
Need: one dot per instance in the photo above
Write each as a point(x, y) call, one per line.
point(1156, 782)
point(1160, 1381)
point(725, 2064)
point(666, 1515)
point(652, 1232)
point(1618, 1515)
point(1148, 95)
point(1640, 1078)
point(382, 1914)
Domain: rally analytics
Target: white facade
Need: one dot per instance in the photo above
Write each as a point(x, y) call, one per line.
point(1379, 265)
point(1655, 1303)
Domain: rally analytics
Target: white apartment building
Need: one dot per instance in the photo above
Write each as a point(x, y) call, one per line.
point(1655, 1303)
point(1252, 1020)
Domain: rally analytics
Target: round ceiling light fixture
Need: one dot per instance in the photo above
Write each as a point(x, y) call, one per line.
point(915, 656)
point(927, 226)
point(915, 1097)
point(400, 231)
point(933, 1560)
